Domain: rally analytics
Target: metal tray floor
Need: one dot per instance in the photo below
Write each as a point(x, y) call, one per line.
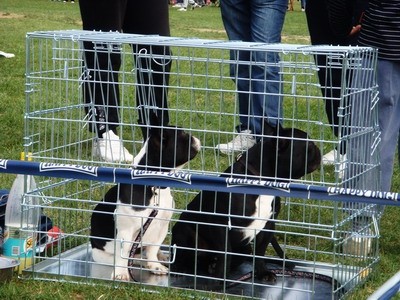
point(77, 263)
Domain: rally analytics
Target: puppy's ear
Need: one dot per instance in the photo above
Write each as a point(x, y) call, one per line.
point(283, 143)
point(154, 125)
point(154, 120)
point(279, 129)
point(283, 140)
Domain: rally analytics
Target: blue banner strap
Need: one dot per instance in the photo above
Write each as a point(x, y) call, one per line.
point(187, 180)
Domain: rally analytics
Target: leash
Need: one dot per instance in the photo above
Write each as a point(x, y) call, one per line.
point(138, 239)
point(296, 274)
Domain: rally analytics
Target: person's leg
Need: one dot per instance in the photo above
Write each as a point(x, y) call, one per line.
point(330, 79)
point(398, 150)
point(236, 19)
point(267, 17)
point(258, 88)
point(241, 72)
point(257, 21)
point(101, 66)
point(101, 92)
point(185, 4)
point(388, 76)
point(361, 170)
point(153, 62)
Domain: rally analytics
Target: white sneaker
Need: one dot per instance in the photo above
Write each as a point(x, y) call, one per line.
point(243, 141)
point(331, 158)
point(182, 9)
point(111, 149)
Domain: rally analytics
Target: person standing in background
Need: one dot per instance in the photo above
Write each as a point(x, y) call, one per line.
point(303, 4)
point(381, 29)
point(177, 3)
point(259, 86)
point(333, 22)
point(338, 23)
point(101, 91)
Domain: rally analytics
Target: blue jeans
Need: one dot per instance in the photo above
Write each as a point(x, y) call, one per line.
point(259, 85)
point(388, 76)
point(398, 150)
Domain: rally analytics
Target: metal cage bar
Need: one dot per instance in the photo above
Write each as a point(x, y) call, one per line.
point(318, 209)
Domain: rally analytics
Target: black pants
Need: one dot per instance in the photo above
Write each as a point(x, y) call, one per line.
point(330, 79)
point(102, 65)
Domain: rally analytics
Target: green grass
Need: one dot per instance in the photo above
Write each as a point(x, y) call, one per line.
point(21, 16)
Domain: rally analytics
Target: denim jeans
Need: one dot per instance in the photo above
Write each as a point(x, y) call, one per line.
point(388, 76)
point(256, 73)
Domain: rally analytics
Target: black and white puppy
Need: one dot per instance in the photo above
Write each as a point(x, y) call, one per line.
point(219, 223)
point(166, 149)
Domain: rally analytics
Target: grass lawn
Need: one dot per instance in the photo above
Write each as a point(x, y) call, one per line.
point(21, 16)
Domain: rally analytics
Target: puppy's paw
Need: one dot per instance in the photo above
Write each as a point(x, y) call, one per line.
point(290, 266)
point(162, 256)
point(157, 268)
point(121, 274)
point(269, 276)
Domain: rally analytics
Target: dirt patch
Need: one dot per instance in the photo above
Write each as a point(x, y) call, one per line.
point(6, 15)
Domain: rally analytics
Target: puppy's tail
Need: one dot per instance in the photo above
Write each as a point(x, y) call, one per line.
point(281, 254)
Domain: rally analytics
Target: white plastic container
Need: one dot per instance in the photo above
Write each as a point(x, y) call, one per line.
point(21, 220)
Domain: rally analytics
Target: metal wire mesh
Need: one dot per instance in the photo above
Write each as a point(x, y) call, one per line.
point(202, 99)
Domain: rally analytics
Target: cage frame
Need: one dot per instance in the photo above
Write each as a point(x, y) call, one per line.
point(332, 191)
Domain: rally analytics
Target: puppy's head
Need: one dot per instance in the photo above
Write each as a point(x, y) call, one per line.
point(168, 147)
point(284, 153)
point(297, 155)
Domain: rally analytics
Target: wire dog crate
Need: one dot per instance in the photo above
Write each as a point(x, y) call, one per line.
point(202, 99)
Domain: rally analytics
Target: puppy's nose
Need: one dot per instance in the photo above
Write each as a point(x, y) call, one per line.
point(314, 159)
